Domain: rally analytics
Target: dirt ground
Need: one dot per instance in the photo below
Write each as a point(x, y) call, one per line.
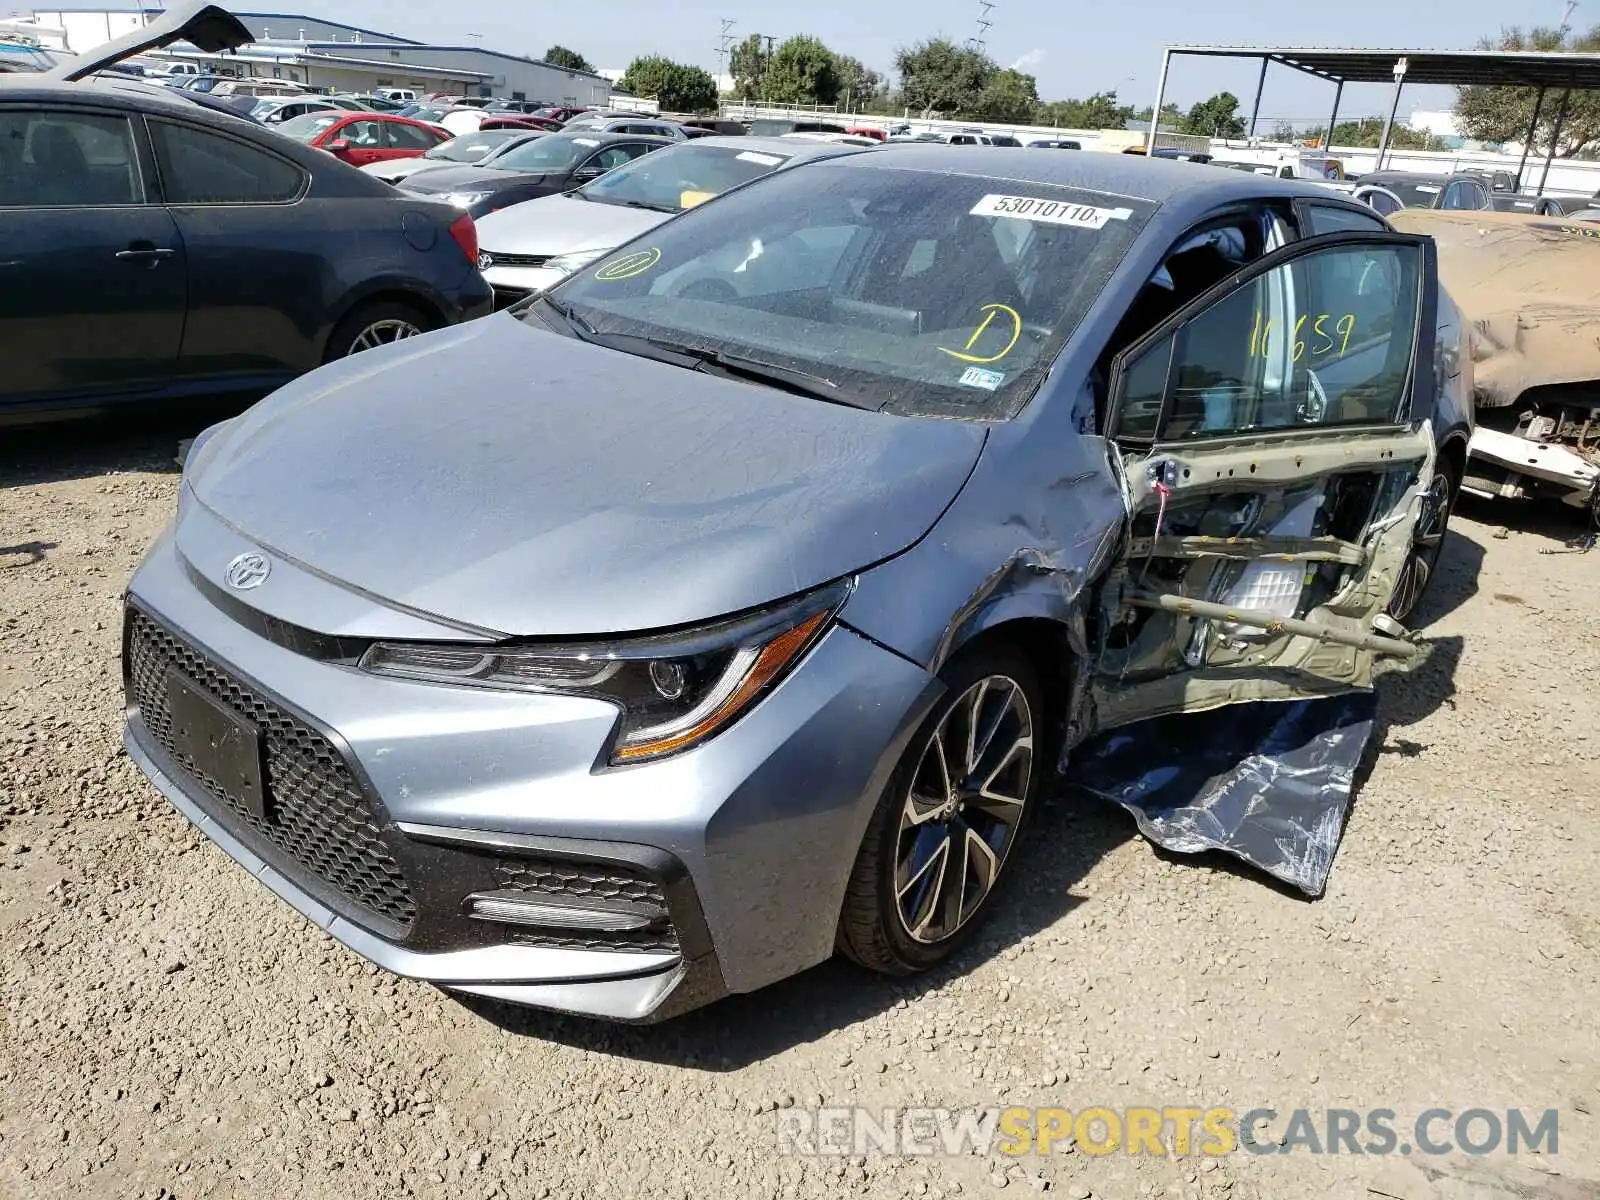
point(168, 1027)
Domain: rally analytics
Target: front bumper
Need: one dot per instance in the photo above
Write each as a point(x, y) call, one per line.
point(396, 802)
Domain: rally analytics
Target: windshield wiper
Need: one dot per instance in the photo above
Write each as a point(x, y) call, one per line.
point(666, 208)
point(577, 324)
point(712, 362)
point(787, 379)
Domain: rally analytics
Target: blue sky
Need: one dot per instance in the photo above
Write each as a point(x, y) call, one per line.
point(1073, 50)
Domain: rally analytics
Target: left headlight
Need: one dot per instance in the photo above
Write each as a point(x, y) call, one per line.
point(675, 691)
point(576, 261)
point(463, 199)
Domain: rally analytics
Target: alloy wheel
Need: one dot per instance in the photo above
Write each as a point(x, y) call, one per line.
point(381, 333)
point(963, 807)
point(1427, 542)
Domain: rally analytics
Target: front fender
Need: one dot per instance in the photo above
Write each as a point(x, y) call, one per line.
point(1036, 526)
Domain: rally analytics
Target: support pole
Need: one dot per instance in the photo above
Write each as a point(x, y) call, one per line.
point(1333, 118)
point(1161, 95)
point(1527, 142)
point(1261, 84)
point(1394, 107)
point(1555, 138)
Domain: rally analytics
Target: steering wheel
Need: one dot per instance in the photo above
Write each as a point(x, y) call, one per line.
point(709, 289)
point(1313, 408)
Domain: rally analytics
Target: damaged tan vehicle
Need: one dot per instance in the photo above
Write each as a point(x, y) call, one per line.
point(1530, 290)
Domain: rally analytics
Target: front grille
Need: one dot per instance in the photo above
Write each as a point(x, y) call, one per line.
point(518, 260)
point(590, 881)
point(505, 297)
point(318, 815)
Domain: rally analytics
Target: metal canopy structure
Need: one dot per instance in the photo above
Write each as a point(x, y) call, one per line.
point(1544, 72)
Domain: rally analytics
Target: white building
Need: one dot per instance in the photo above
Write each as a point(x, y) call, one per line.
point(1441, 123)
point(320, 53)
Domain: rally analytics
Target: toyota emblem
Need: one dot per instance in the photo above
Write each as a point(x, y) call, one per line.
point(485, 261)
point(248, 571)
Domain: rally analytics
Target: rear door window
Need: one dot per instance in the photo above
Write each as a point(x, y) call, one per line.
point(409, 137)
point(202, 167)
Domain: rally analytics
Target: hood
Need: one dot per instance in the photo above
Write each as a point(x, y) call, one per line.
point(1529, 288)
point(505, 477)
point(404, 168)
point(563, 224)
point(460, 178)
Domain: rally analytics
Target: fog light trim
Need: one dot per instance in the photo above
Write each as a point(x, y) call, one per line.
point(514, 908)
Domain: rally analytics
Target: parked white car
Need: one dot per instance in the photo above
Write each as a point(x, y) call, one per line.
point(536, 244)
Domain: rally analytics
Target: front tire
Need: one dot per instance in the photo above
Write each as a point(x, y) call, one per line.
point(947, 823)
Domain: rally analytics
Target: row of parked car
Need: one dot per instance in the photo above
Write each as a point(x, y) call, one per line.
point(162, 242)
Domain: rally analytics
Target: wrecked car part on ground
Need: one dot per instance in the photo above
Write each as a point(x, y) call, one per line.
point(1530, 287)
point(730, 603)
point(1267, 783)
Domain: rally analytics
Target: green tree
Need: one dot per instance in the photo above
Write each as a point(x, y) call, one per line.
point(560, 56)
point(746, 62)
point(678, 87)
point(1009, 97)
point(1171, 115)
point(1100, 111)
point(1283, 131)
point(1217, 116)
point(1368, 131)
point(859, 85)
point(802, 71)
point(1502, 114)
point(938, 76)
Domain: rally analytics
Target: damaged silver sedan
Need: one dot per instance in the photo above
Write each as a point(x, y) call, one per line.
point(737, 600)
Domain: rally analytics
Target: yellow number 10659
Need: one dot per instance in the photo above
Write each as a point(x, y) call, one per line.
point(1328, 334)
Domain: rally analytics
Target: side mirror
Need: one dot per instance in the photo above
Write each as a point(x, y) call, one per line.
point(339, 144)
point(584, 174)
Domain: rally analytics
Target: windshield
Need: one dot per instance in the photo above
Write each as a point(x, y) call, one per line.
point(472, 147)
point(680, 177)
point(915, 292)
point(304, 129)
point(553, 153)
point(1420, 194)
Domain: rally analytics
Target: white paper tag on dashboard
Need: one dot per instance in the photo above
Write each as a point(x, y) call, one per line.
point(1054, 212)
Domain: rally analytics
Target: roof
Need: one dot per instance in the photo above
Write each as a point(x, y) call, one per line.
point(1491, 68)
point(795, 150)
point(372, 33)
point(479, 50)
point(1128, 175)
point(292, 52)
point(1415, 176)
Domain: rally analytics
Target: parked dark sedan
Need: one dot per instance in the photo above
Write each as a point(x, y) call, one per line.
point(1417, 190)
point(551, 164)
point(151, 247)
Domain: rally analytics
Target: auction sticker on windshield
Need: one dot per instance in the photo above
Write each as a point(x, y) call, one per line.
point(1055, 212)
point(766, 160)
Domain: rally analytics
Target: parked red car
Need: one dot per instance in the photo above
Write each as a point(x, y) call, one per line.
point(516, 121)
point(871, 131)
point(362, 138)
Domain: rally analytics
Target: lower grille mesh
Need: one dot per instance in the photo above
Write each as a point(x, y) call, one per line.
point(590, 881)
point(317, 814)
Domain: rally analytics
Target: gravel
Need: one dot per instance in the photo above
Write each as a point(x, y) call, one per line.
point(169, 1028)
